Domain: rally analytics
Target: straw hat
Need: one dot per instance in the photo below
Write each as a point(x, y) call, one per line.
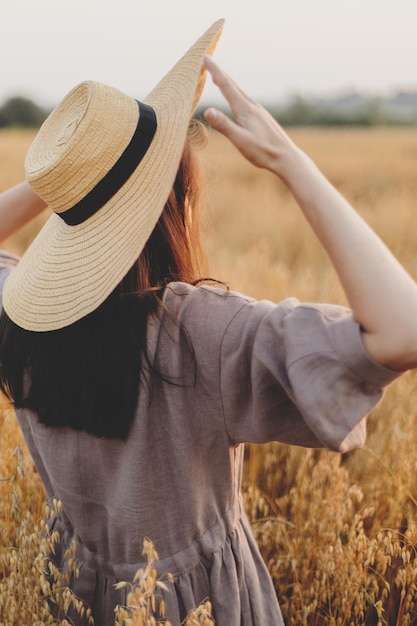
point(105, 164)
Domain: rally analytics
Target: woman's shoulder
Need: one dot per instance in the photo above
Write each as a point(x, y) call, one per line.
point(181, 297)
point(215, 305)
point(202, 291)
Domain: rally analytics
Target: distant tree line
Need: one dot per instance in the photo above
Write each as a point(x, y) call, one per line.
point(302, 112)
point(21, 112)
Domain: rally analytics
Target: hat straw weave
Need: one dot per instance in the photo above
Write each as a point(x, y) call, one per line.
point(70, 269)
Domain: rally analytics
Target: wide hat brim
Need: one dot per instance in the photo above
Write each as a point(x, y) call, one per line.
point(68, 271)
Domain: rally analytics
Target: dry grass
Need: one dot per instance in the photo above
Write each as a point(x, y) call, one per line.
point(144, 608)
point(339, 533)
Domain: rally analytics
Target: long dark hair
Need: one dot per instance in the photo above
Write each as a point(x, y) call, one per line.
point(86, 376)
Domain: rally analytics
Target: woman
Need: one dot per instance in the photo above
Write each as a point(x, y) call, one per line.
point(135, 389)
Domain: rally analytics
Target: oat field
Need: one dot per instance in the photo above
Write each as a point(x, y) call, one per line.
point(338, 532)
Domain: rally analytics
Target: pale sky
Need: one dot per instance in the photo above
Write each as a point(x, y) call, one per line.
point(273, 48)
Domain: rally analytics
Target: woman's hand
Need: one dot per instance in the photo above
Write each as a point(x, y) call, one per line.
point(255, 133)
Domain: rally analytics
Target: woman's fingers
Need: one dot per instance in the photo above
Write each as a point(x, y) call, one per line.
point(238, 101)
point(220, 122)
point(239, 104)
point(253, 130)
point(227, 86)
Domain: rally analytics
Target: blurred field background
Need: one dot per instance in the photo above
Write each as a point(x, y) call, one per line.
point(338, 532)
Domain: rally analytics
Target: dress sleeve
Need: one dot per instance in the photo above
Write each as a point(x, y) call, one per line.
point(298, 374)
point(7, 262)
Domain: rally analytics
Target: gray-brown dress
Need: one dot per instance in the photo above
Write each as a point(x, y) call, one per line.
point(288, 372)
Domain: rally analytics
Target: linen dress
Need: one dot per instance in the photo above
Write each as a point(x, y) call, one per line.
point(257, 372)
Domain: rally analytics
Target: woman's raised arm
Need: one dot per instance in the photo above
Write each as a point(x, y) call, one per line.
point(18, 205)
point(382, 295)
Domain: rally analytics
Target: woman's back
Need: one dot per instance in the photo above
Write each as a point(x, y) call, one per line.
point(177, 477)
point(175, 480)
